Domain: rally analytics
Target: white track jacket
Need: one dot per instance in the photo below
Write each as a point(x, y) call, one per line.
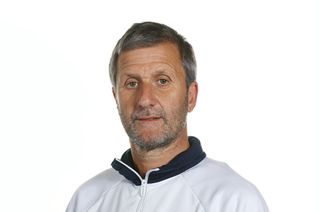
point(191, 182)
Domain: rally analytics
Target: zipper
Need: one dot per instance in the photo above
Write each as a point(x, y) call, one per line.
point(144, 184)
point(143, 189)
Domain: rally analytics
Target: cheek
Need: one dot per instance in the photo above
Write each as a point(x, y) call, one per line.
point(125, 105)
point(173, 102)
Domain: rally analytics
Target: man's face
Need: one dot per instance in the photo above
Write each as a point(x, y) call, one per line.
point(152, 96)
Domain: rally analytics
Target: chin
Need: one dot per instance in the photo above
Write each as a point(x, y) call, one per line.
point(151, 138)
point(150, 141)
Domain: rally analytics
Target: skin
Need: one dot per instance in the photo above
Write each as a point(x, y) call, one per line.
point(153, 102)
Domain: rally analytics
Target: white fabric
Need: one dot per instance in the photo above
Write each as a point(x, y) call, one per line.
point(210, 186)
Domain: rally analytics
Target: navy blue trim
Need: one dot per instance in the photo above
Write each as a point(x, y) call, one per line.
point(123, 170)
point(182, 162)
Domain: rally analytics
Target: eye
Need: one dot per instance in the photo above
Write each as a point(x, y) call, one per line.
point(132, 84)
point(163, 81)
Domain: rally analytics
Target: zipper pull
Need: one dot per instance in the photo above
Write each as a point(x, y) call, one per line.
point(143, 189)
point(144, 182)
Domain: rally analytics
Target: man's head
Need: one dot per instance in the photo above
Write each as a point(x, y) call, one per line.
point(148, 34)
point(152, 70)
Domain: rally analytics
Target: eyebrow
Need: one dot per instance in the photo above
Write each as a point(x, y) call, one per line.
point(162, 71)
point(155, 73)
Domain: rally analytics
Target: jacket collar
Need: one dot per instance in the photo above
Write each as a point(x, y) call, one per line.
point(182, 162)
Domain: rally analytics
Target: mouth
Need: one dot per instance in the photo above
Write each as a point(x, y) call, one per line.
point(148, 118)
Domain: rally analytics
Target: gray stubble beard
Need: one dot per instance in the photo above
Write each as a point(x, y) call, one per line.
point(169, 133)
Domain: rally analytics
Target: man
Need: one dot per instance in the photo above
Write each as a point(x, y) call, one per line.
point(153, 73)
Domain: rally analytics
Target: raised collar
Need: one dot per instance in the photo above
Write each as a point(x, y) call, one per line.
point(182, 162)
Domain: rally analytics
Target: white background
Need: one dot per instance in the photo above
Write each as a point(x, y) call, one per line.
point(258, 106)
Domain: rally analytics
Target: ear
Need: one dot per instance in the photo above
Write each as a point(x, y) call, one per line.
point(192, 95)
point(114, 95)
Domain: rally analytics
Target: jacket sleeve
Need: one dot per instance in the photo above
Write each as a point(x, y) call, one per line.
point(246, 200)
point(73, 205)
point(253, 203)
point(89, 192)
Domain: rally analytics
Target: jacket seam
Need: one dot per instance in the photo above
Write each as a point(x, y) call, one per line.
point(104, 193)
point(193, 192)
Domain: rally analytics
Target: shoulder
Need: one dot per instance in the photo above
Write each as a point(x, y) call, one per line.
point(213, 180)
point(89, 192)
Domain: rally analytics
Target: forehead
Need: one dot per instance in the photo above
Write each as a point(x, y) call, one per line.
point(163, 54)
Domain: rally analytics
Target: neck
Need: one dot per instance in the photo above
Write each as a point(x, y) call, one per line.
point(146, 160)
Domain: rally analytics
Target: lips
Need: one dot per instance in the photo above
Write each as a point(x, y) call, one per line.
point(147, 115)
point(148, 118)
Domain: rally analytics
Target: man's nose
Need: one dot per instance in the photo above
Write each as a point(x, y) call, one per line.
point(146, 97)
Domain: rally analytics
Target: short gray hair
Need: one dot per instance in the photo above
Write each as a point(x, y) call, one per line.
point(147, 34)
